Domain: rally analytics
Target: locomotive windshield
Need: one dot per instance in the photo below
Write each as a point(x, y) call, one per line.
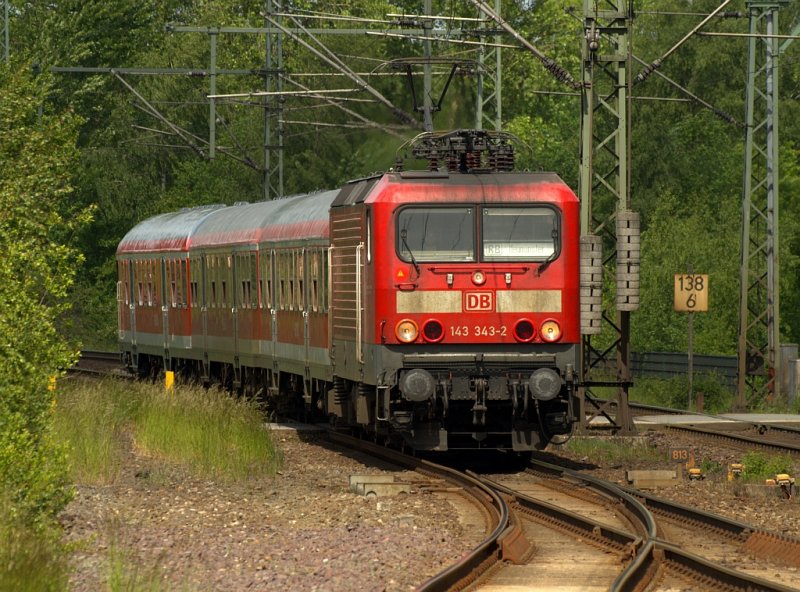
point(526, 233)
point(520, 233)
point(437, 234)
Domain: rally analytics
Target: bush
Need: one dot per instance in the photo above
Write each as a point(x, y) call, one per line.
point(674, 392)
point(759, 466)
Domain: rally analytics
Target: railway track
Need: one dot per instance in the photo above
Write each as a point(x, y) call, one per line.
point(97, 363)
point(737, 432)
point(625, 539)
point(629, 540)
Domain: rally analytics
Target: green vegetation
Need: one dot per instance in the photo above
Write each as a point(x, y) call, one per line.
point(612, 449)
point(31, 560)
point(213, 433)
point(209, 432)
point(38, 222)
point(124, 574)
point(759, 466)
point(673, 392)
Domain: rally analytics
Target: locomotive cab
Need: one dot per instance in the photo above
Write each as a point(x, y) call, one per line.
point(470, 288)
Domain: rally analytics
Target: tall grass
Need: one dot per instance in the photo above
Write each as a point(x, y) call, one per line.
point(92, 418)
point(215, 434)
point(611, 449)
point(209, 431)
point(31, 559)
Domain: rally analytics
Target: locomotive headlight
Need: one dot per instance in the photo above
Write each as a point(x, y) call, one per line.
point(545, 384)
point(406, 331)
point(551, 331)
point(478, 278)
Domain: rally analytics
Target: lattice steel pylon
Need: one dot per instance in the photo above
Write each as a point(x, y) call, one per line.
point(5, 49)
point(759, 303)
point(605, 191)
point(489, 105)
point(273, 131)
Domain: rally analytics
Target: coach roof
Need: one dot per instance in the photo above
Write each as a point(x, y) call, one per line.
point(165, 232)
point(297, 217)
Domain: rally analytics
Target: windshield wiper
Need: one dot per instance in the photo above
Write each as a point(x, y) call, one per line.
point(403, 235)
point(552, 256)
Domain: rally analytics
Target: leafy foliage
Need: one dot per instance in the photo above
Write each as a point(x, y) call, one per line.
point(37, 223)
point(687, 157)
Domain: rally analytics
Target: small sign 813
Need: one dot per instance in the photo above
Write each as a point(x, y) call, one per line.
point(691, 292)
point(681, 455)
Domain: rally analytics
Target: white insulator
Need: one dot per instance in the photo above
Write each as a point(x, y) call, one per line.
point(628, 258)
point(591, 284)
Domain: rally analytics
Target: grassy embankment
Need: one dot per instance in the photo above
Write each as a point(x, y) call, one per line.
point(210, 433)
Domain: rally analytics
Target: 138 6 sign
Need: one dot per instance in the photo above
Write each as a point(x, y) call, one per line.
point(691, 292)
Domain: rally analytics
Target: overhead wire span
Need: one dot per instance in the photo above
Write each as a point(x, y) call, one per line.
point(549, 64)
point(443, 39)
point(335, 103)
point(656, 64)
point(334, 61)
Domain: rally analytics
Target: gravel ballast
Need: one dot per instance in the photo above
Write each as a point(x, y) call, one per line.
point(301, 530)
point(159, 527)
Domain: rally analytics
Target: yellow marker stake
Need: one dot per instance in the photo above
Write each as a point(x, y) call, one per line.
point(169, 380)
point(51, 383)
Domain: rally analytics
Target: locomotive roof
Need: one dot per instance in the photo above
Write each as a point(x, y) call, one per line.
point(307, 215)
point(165, 232)
point(300, 215)
point(497, 187)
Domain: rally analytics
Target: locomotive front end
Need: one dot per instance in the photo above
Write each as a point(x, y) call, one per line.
point(476, 310)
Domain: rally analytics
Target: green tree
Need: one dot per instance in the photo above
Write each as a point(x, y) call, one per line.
point(37, 225)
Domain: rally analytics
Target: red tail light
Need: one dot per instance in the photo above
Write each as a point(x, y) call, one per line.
point(432, 331)
point(524, 331)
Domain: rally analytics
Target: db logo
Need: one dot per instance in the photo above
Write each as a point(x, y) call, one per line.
point(483, 301)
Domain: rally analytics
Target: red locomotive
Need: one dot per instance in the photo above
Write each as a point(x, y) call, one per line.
point(436, 307)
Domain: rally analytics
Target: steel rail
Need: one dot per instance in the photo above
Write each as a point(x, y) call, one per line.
point(746, 441)
point(767, 543)
point(701, 572)
point(651, 551)
point(760, 427)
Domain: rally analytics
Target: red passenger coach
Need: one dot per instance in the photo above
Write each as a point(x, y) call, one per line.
point(440, 308)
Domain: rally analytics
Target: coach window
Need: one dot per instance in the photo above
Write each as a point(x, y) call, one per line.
point(299, 275)
point(519, 233)
point(313, 269)
point(184, 280)
point(150, 290)
point(173, 284)
point(212, 281)
point(265, 281)
point(436, 234)
point(289, 275)
point(226, 274)
point(282, 283)
point(324, 299)
point(195, 267)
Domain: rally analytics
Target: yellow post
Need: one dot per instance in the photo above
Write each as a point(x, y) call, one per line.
point(51, 383)
point(169, 380)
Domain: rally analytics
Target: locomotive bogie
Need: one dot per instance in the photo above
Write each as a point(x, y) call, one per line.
point(439, 310)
